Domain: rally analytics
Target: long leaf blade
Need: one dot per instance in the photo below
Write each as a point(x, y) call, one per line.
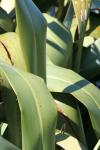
point(32, 34)
point(67, 81)
point(38, 112)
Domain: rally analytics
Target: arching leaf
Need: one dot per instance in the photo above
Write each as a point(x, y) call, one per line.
point(38, 111)
point(67, 81)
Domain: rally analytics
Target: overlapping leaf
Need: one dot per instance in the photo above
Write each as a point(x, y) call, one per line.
point(32, 34)
point(38, 112)
point(59, 42)
point(69, 16)
point(66, 141)
point(5, 21)
point(81, 8)
point(90, 66)
point(11, 113)
point(93, 26)
point(70, 117)
point(67, 81)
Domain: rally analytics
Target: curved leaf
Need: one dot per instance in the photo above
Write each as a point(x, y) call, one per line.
point(32, 34)
point(38, 112)
point(59, 42)
point(67, 81)
point(71, 116)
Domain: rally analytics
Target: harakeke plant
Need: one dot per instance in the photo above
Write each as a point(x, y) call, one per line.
point(49, 56)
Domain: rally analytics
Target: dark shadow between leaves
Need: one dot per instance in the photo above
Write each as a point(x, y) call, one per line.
point(64, 123)
point(90, 65)
point(94, 23)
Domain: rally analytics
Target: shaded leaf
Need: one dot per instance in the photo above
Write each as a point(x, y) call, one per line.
point(90, 66)
point(5, 21)
point(6, 145)
point(60, 9)
point(95, 6)
point(69, 16)
point(97, 146)
point(59, 42)
point(2, 115)
point(71, 114)
point(93, 26)
point(67, 81)
point(44, 5)
point(12, 113)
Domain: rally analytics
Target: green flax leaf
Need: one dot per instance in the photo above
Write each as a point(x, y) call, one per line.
point(67, 81)
point(38, 111)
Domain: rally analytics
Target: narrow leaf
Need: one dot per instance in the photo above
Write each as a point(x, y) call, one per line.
point(32, 34)
point(81, 9)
